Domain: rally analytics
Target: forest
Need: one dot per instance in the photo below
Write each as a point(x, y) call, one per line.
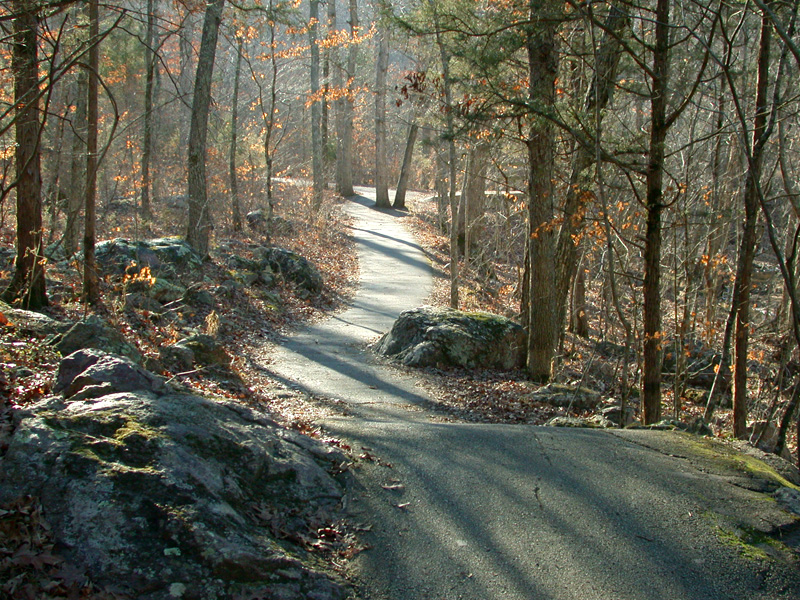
point(622, 170)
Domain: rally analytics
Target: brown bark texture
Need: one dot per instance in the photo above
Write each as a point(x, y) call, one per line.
point(28, 283)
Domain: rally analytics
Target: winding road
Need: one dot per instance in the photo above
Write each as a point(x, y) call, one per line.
point(514, 512)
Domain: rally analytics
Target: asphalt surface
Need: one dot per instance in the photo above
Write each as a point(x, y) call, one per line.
point(489, 512)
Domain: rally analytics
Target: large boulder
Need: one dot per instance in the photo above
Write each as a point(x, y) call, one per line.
point(93, 332)
point(435, 337)
point(164, 256)
point(166, 495)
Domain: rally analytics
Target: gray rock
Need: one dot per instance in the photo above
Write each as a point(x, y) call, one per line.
point(7, 257)
point(613, 413)
point(257, 220)
point(172, 495)
point(246, 278)
point(107, 373)
point(239, 263)
point(137, 300)
point(570, 422)
point(228, 288)
point(27, 322)
point(205, 350)
point(164, 256)
point(292, 267)
point(165, 291)
point(199, 297)
point(430, 337)
point(558, 394)
point(788, 497)
point(177, 357)
point(94, 333)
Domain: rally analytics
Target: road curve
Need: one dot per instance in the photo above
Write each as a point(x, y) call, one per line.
point(514, 512)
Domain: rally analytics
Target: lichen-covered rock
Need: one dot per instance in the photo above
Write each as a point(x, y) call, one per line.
point(430, 337)
point(292, 267)
point(94, 333)
point(164, 256)
point(26, 322)
point(199, 349)
point(172, 496)
point(94, 373)
point(558, 394)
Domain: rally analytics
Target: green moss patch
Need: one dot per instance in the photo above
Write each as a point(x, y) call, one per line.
point(734, 459)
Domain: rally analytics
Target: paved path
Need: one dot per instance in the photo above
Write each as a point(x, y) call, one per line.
point(491, 512)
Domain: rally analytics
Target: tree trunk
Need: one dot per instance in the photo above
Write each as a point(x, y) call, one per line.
point(199, 228)
point(91, 279)
point(381, 170)
point(470, 230)
point(651, 369)
point(578, 322)
point(237, 212)
point(269, 124)
point(337, 81)
point(345, 162)
point(77, 179)
point(451, 171)
point(147, 141)
point(316, 108)
point(540, 265)
point(405, 171)
point(28, 283)
point(744, 268)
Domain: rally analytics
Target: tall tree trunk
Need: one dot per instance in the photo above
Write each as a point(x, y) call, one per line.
point(744, 268)
point(187, 70)
point(337, 81)
point(540, 265)
point(345, 162)
point(381, 169)
point(28, 283)
point(77, 179)
point(91, 279)
point(470, 230)
point(405, 171)
point(578, 321)
point(198, 233)
point(234, 183)
point(269, 124)
point(149, 80)
point(316, 108)
point(325, 89)
point(651, 376)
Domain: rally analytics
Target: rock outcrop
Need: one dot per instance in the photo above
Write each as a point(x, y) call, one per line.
point(292, 267)
point(168, 495)
point(163, 256)
point(443, 337)
point(95, 333)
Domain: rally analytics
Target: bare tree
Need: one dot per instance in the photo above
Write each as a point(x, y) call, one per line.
point(28, 282)
point(199, 227)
